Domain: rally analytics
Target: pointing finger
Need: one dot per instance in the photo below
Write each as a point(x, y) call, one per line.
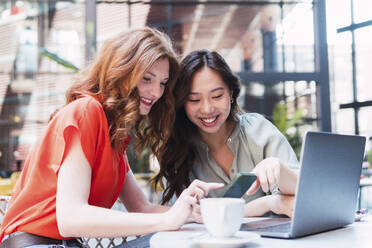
point(254, 187)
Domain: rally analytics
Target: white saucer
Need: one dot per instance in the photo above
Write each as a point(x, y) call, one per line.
point(238, 240)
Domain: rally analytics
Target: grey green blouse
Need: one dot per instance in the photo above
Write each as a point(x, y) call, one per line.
point(253, 139)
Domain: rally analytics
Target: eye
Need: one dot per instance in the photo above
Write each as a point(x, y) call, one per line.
point(193, 100)
point(218, 96)
point(164, 84)
point(146, 79)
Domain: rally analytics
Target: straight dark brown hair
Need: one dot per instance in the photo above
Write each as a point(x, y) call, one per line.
point(178, 155)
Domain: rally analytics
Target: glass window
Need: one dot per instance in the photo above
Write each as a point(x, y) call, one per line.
point(26, 61)
point(362, 10)
point(344, 121)
point(338, 16)
point(301, 87)
point(289, 88)
point(67, 46)
point(256, 89)
point(365, 121)
point(296, 39)
point(363, 52)
point(340, 67)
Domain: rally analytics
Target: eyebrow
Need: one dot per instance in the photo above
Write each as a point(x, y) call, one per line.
point(154, 75)
point(214, 90)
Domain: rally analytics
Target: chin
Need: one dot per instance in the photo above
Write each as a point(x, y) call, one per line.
point(210, 130)
point(144, 113)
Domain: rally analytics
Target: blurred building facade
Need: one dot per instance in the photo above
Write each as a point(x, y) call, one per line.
point(278, 48)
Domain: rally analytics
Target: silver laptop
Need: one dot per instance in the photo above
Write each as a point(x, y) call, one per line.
point(327, 188)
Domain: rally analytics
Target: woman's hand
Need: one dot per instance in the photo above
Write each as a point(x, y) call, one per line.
point(268, 175)
point(281, 204)
point(187, 208)
point(272, 173)
point(277, 203)
point(196, 215)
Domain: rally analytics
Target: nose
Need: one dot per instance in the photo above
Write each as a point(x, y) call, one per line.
point(206, 107)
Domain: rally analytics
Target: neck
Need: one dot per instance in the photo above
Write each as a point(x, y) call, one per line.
point(218, 139)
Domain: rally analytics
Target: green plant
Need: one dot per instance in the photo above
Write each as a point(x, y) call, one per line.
point(52, 56)
point(284, 122)
point(369, 157)
point(140, 163)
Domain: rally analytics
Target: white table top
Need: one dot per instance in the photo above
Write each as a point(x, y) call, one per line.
point(359, 234)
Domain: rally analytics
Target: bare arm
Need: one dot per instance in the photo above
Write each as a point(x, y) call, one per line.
point(76, 218)
point(279, 204)
point(287, 180)
point(271, 172)
point(134, 199)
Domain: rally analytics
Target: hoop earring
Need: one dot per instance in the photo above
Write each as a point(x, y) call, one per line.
point(232, 100)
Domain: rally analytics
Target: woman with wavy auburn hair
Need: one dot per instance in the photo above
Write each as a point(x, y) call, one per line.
point(114, 78)
point(79, 168)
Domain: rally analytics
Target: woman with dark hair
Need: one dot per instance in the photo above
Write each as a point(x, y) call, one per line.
point(79, 168)
point(213, 140)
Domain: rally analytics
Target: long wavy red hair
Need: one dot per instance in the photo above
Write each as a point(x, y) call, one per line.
point(113, 77)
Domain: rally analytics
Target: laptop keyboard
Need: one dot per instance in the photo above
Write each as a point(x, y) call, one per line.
point(268, 225)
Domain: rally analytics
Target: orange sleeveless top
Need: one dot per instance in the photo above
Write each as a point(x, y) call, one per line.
point(33, 205)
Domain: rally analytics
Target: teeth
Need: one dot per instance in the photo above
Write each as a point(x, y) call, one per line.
point(146, 100)
point(209, 120)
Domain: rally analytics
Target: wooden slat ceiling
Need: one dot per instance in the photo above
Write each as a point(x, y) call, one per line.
point(213, 25)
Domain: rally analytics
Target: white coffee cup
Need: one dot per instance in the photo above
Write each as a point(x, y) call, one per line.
point(222, 216)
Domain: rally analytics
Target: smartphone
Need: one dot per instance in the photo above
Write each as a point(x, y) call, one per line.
point(239, 185)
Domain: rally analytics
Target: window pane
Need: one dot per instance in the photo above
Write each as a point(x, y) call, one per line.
point(365, 121)
point(297, 35)
point(338, 15)
point(363, 47)
point(344, 121)
point(362, 10)
point(289, 88)
point(340, 69)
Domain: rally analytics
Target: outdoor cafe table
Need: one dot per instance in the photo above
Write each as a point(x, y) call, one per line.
point(358, 234)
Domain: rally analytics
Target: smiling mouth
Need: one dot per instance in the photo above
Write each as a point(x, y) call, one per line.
point(208, 122)
point(146, 102)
